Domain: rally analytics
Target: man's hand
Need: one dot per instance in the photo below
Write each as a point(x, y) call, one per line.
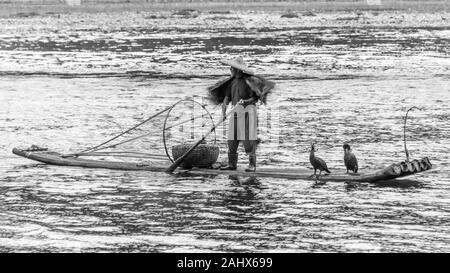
point(247, 102)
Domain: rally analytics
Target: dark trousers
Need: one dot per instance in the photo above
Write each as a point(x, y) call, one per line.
point(249, 146)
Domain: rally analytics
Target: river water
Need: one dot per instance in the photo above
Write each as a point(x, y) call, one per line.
point(69, 81)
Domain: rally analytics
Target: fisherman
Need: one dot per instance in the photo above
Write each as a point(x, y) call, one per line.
point(243, 89)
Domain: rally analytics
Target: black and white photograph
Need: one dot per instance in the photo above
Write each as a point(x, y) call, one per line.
point(228, 127)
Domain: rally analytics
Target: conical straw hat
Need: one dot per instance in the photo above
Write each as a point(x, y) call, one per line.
point(238, 63)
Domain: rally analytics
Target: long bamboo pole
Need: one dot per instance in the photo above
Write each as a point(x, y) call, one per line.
point(97, 147)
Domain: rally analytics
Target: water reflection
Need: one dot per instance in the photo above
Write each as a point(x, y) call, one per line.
point(402, 183)
point(244, 200)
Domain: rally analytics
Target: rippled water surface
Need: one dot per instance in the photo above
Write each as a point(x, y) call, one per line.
point(71, 81)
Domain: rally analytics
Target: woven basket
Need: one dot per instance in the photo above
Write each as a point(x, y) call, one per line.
point(203, 156)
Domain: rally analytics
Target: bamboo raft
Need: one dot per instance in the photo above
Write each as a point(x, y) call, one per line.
point(201, 154)
point(390, 172)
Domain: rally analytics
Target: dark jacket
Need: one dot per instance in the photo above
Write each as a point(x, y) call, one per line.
point(259, 85)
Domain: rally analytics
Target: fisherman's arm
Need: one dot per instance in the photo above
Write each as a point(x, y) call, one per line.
point(226, 100)
point(251, 100)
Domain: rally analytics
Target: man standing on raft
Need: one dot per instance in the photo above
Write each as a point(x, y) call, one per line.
point(243, 89)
